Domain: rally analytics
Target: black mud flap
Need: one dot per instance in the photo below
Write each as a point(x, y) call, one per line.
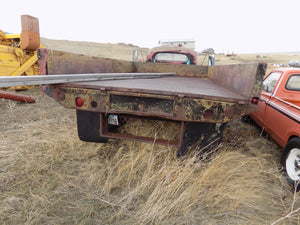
point(88, 126)
point(205, 137)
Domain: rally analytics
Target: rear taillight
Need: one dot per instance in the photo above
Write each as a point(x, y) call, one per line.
point(254, 100)
point(79, 102)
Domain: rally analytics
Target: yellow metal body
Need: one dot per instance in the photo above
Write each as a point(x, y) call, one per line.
point(15, 61)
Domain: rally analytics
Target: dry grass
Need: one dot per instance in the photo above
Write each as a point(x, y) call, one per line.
point(124, 52)
point(116, 51)
point(48, 176)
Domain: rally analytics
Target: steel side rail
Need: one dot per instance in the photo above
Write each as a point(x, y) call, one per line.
point(12, 81)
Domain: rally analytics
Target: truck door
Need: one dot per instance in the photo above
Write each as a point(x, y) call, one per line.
point(281, 116)
point(268, 89)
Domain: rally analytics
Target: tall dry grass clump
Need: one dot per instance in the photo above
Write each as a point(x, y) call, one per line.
point(48, 176)
point(235, 186)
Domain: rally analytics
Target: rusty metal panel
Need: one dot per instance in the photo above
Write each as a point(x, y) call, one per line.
point(141, 104)
point(68, 63)
point(30, 36)
point(201, 110)
point(243, 78)
point(94, 100)
point(179, 69)
point(169, 86)
point(173, 108)
point(43, 54)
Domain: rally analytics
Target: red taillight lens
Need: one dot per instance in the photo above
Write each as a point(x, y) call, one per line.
point(254, 100)
point(79, 102)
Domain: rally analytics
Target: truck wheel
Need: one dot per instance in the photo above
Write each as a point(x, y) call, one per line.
point(291, 161)
point(88, 126)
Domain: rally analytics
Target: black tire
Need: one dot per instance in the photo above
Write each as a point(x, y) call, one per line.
point(291, 161)
point(88, 126)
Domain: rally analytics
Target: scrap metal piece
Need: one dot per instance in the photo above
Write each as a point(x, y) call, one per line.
point(17, 97)
point(11, 81)
point(30, 36)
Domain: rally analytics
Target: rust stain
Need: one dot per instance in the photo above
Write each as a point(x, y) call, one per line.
point(178, 108)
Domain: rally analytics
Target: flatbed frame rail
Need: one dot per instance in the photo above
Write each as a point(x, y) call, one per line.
point(11, 81)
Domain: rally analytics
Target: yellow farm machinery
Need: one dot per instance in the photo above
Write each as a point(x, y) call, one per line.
point(18, 54)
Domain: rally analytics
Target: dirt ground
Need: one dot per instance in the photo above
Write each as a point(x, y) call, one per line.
point(49, 176)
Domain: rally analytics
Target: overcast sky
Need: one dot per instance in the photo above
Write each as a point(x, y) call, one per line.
point(239, 26)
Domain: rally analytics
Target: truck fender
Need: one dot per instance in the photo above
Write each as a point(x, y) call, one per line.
point(88, 126)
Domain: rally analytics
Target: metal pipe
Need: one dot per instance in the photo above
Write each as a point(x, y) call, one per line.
point(11, 81)
point(17, 97)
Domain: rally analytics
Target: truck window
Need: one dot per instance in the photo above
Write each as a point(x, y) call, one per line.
point(173, 57)
point(270, 82)
point(293, 83)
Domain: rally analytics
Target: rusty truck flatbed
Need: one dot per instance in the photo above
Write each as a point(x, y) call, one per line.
point(200, 99)
point(196, 94)
point(202, 88)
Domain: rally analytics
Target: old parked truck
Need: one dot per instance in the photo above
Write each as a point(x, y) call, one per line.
point(199, 100)
point(172, 54)
point(180, 55)
point(279, 116)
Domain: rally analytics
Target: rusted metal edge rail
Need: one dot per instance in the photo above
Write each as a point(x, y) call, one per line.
point(11, 81)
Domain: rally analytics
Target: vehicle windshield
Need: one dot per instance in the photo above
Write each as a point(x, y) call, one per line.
point(270, 82)
point(171, 56)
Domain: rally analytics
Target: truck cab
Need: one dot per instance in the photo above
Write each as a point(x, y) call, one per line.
point(279, 116)
point(173, 55)
point(279, 104)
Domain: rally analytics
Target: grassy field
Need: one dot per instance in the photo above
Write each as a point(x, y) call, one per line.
point(48, 176)
point(124, 52)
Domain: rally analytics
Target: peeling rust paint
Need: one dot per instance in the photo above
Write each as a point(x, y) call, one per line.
point(207, 111)
point(156, 106)
point(179, 108)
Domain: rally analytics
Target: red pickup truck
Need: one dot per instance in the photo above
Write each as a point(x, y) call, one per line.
point(181, 55)
point(279, 116)
point(174, 55)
